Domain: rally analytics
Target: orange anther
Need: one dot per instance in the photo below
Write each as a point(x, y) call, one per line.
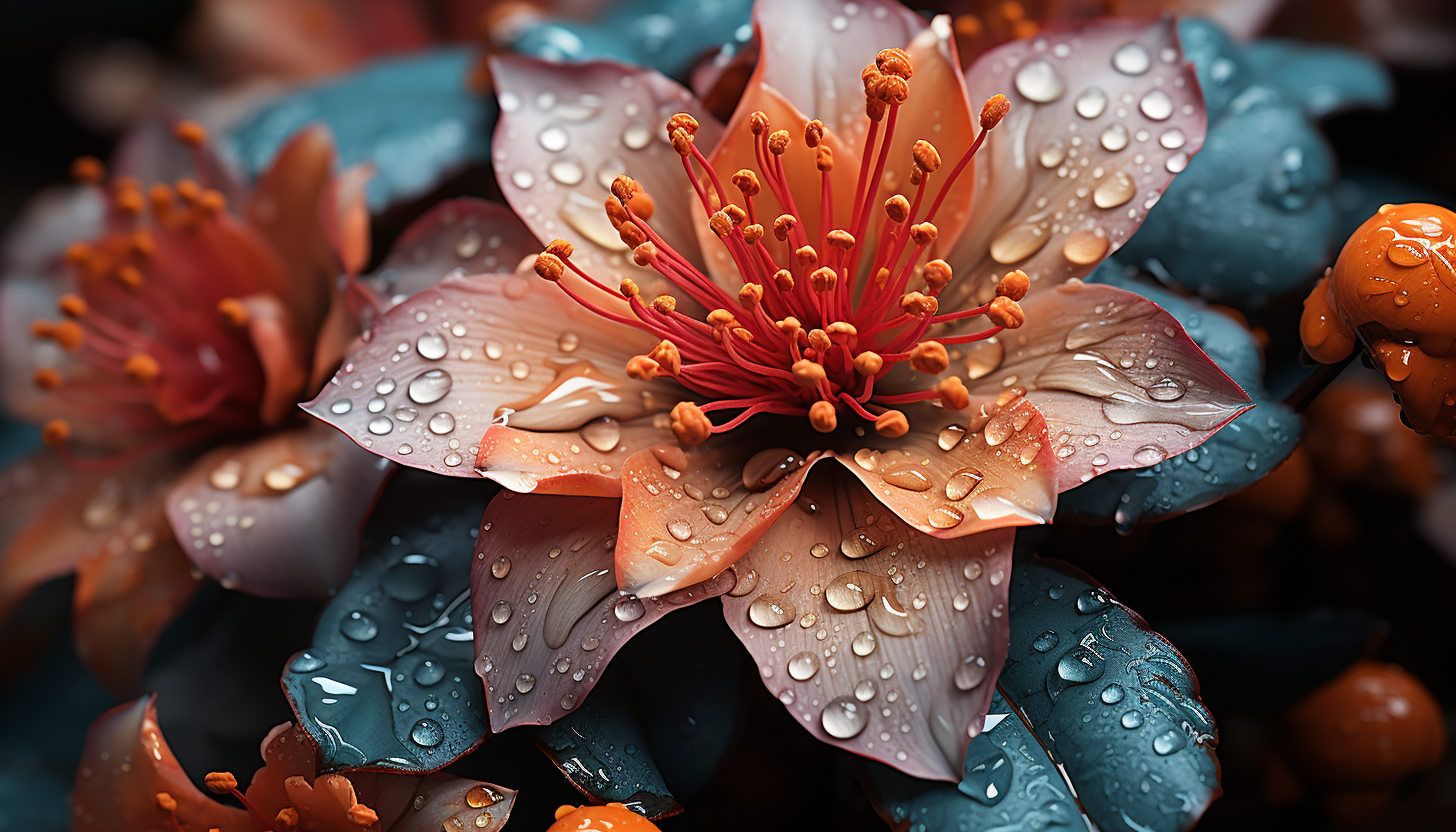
point(287, 818)
point(631, 235)
point(894, 62)
point(783, 280)
point(868, 363)
point(824, 279)
point(624, 188)
point(160, 197)
point(758, 122)
point(823, 416)
point(1005, 312)
point(78, 253)
point(720, 223)
point(752, 233)
point(919, 305)
point(47, 378)
point(212, 202)
point(190, 133)
point(750, 296)
point(746, 181)
point(929, 357)
point(645, 255)
point(88, 170)
point(841, 239)
point(892, 423)
point(664, 303)
point(784, 225)
point(72, 306)
point(892, 90)
point(823, 158)
point(690, 424)
point(55, 433)
point(361, 815)
point(1014, 285)
point(937, 274)
point(220, 782)
point(924, 233)
point(778, 142)
point(995, 109)
point(129, 201)
point(642, 368)
point(641, 204)
point(144, 369)
point(897, 208)
point(232, 311)
point(629, 288)
point(953, 393)
point(806, 255)
point(188, 190)
point(735, 213)
point(142, 244)
point(560, 248)
point(616, 212)
point(870, 75)
point(129, 276)
point(166, 802)
point(819, 340)
point(549, 267)
point(721, 319)
point(69, 335)
point(682, 121)
point(807, 374)
point(667, 355)
point(682, 142)
point(926, 157)
point(813, 132)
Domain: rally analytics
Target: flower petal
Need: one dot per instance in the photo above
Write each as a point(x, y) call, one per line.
point(285, 209)
point(548, 615)
point(278, 517)
point(882, 640)
point(567, 130)
point(583, 462)
point(441, 367)
point(44, 530)
point(464, 236)
point(125, 764)
point(130, 583)
point(1119, 381)
point(959, 473)
point(1101, 118)
point(386, 684)
point(689, 514)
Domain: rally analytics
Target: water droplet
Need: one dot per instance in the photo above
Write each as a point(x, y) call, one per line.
point(522, 179)
point(477, 798)
point(1132, 719)
point(1091, 103)
point(1167, 389)
point(501, 567)
point(1085, 247)
point(568, 342)
point(907, 476)
point(861, 542)
point(803, 666)
point(844, 717)
point(1132, 59)
point(427, 733)
point(1092, 600)
point(865, 690)
point(680, 529)
point(226, 476)
point(1156, 105)
point(1169, 742)
point(1046, 641)
point(1080, 666)
point(429, 387)
point(1115, 191)
point(863, 644)
point(1172, 139)
point(441, 423)
point(520, 369)
point(970, 673)
point(867, 458)
point(501, 612)
point(432, 346)
point(771, 611)
point(636, 136)
point(946, 517)
point(359, 627)
point(341, 406)
point(1113, 694)
point(629, 609)
point(493, 350)
point(950, 436)
point(566, 171)
point(381, 425)
point(746, 581)
point(602, 434)
point(1406, 255)
point(307, 663)
point(525, 682)
point(1114, 138)
point(1052, 153)
point(468, 245)
point(1018, 242)
point(767, 467)
point(1150, 455)
point(1039, 81)
point(1176, 163)
point(554, 139)
point(429, 673)
point(850, 591)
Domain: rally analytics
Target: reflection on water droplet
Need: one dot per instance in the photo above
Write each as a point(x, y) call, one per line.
point(907, 476)
point(432, 346)
point(680, 529)
point(803, 666)
point(970, 674)
point(865, 690)
point(1115, 191)
point(844, 717)
point(554, 139)
point(427, 733)
point(341, 406)
point(629, 609)
point(1176, 163)
point(1150, 455)
point(522, 179)
point(226, 476)
point(1039, 81)
point(429, 387)
point(1169, 742)
point(602, 434)
point(1156, 105)
point(1132, 719)
point(1018, 242)
point(1052, 153)
point(566, 171)
point(307, 663)
point(358, 626)
point(771, 611)
point(1045, 641)
point(1113, 694)
point(1172, 139)
point(636, 136)
point(1085, 247)
point(442, 423)
point(946, 517)
point(861, 542)
point(501, 613)
point(983, 357)
point(1091, 103)
point(1114, 138)
point(520, 369)
point(950, 436)
point(381, 425)
point(1132, 59)
point(501, 567)
point(867, 458)
point(747, 580)
point(429, 673)
point(850, 591)
point(525, 682)
point(863, 644)
point(468, 245)
point(568, 342)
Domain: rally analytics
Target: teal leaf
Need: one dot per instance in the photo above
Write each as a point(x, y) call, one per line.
point(1323, 79)
point(388, 684)
point(663, 35)
point(1096, 724)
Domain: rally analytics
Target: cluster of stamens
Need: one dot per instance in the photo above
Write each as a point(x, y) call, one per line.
point(142, 348)
point(287, 819)
point(811, 332)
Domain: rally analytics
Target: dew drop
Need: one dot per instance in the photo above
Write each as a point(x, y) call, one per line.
point(428, 387)
point(1114, 138)
point(1167, 389)
point(358, 626)
point(522, 179)
point(226, 476)
point(602, 434)
point(771, 611)
point(803, 666)
point(867, 458)
point(1132, 719)
point(341, 406)
point(1091, 103)
point(865, 690)
point(950, 436)
point(1150, 455)
point(566, 171)
point(525, 682)
point(1156, 105)
point(636, 136)
point(307, 663)
point(501, 612)
point(970, 674)
point(501, 567)
point(1176, 163)
point(1115, 191)
point(946, 517)
point(907, 476)
point(427, 733)
point(1132, 59)
point(863, 644)
point(844, 718)
point(1052, 153)
point(680, 529)
point(629, 609)
point(1169, 742)
point(1172, 139)
point(429, 673)
point(1046, 641)
point(1085, 247)
point(1018, 242)
point(431, 346)
point(1113, 694)
point(850, 591)
point(1039, 81)
point(441, 423)
point(381, 425)
point(554, 139)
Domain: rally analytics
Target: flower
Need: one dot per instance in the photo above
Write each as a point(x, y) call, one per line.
point(694, 351)
point(129, 779)
point(188, 317)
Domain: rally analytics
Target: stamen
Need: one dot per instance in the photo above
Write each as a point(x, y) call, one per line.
point(223, 782)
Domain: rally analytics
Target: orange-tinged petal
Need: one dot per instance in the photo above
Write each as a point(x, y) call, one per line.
point(1084, 153)
point(285, 353)
point(344, 214)
point(1119, 381)
point(43, 530)
point(548, 615)
point(286, 209)
point(689, 514)
point(556, 164)
point(130, 582)
point(585, 462)
point(443, 366)
point(278, 517)
point(956, 473)
point(878, 639)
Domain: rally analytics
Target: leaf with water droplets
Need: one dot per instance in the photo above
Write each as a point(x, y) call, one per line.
point(669, 36)
point(460, 236)
point(567, 130)
point(443, 366)
point(891, 654)
point(960, 472)
point(1101, 724)
point(1120, 383)
point(1235, 457)
point(585, 462)
point(548, 616)
point(1072, 170)
point(278, 517)
point(671, 537)
point(387, 684)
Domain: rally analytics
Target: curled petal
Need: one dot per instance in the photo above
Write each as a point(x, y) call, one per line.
point(44, 530)
point(1101, 118)
point(1119, 381)
point(439, 369)
point(344, 214)
point(548, 615)
point(585, 462)
point(689, 514)
point(283, 352)
point(286, 209)
point(961, 472)
point(279, 517)
point(556, 162)
point(864, 627)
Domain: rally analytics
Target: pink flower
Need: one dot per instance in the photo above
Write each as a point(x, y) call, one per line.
point(762, 297)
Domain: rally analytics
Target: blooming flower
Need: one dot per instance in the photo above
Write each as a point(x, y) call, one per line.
point(695, 351)
point(194, 314)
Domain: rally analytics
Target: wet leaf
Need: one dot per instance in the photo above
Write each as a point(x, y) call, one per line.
point(388, 684)
point(1097, 722)
point(665, 35)
point(422, 122)
point(1323, 79)
point(1238, 455)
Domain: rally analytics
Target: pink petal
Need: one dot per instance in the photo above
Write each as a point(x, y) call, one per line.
point(1056, 191)
point(469, 235)
point(566, 130)
point(435, 802)
point(125, 763)
point(282, 351)
point(689, 514)
point(813, 52)
point(345, 217)
point(443, 366)
point(44, 530)
point(548, 616)
point(1119, 381)
point(879, 639)
point(286, 209)
point(279, 517)
point(585, 462)
point(961, 472)
point(130, 583)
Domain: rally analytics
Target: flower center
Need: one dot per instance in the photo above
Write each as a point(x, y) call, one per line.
point(811, 333)
point(157, 329)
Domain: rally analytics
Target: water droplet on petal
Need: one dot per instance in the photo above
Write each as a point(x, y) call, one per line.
point(429, 387)
point(1156, 105)
point(1114, 138)
point(566, 171)
point(1018, 242)
point(525, 682)
point(1091, 103)
point(771, 611)
point(432, 346)
point(1052, 153)
point(1115, 191)
point(1150, 455)
point(1046, 641)
point(1039, 81)
point(226, 476)
point(803, 666)
point(1113, 694)
point(358, 626)
point(844, 717)
point(501, 612)
point(1132, 719)
point(850, 591)
point(629, 609)
point(1085, 247)
point(602, 434)
point(381, 425)
point(907, 476)
point(1169, 742)
point(501, 567)
point(1132, 59)
point(1172, 139)
point(554, 139)
point(636, 136)
point(970, 674)
point(427, 733)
